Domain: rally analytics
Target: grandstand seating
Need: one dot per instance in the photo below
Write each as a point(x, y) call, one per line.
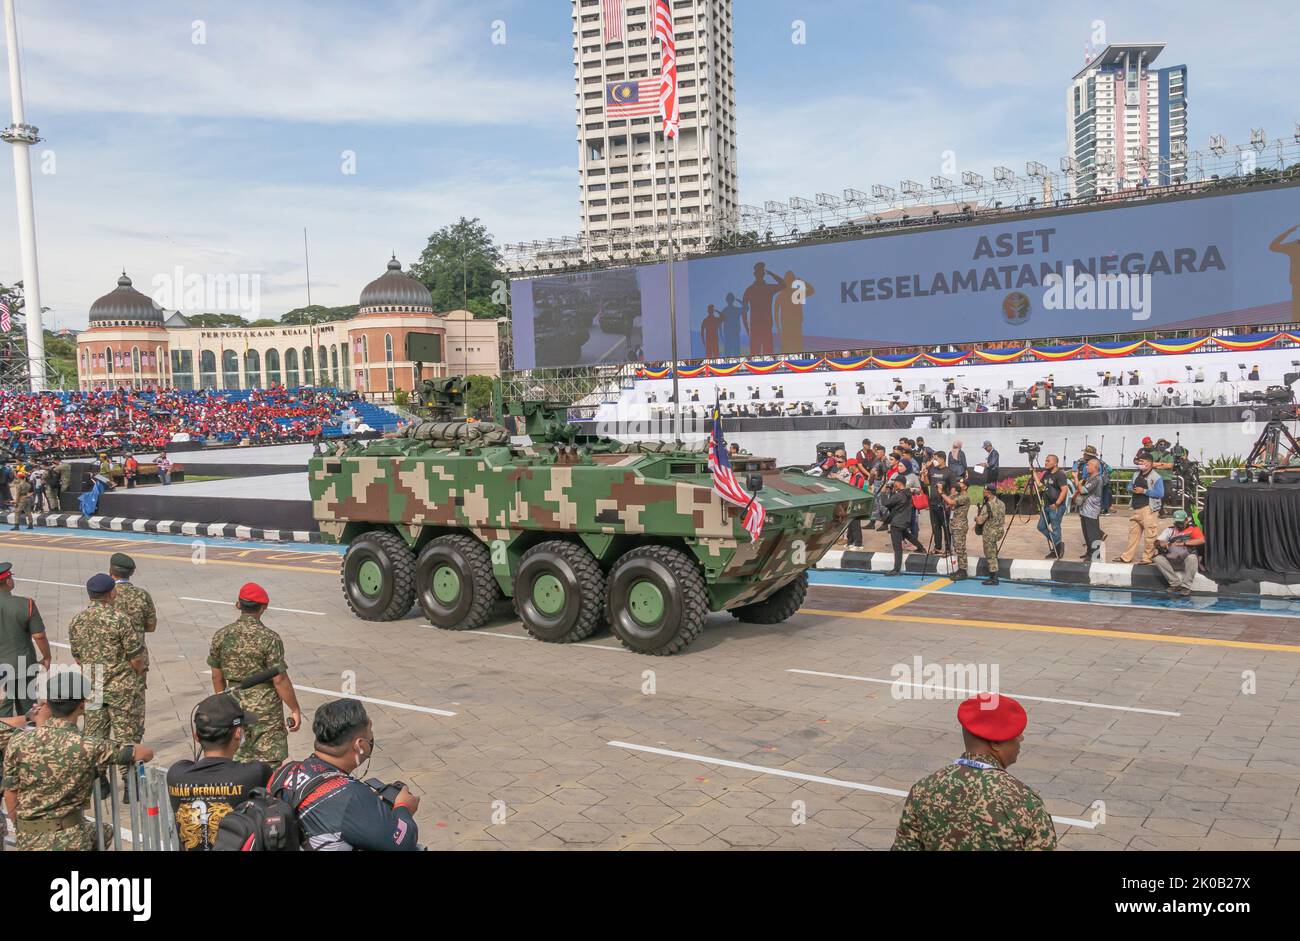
point(115, 420)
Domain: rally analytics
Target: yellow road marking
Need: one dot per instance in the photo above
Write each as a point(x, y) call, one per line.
point(174, 558)
point(869, 615)
point(909, 596)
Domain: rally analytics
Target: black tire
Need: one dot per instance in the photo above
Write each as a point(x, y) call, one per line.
point(386, 564)
point(777, 607)
point(578, 588)
point(683, 602)
point(477, 591)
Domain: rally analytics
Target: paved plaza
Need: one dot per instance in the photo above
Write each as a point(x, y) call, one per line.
point(1151, 725)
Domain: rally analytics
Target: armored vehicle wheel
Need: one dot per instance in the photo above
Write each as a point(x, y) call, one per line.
point(454, 583)
point(379, 577)
point(657, 600)
point(560, 592)
point(778, 606)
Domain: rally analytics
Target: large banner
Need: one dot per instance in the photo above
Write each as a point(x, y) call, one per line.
point(1204, 261)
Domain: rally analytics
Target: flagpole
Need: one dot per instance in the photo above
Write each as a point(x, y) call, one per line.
point(672, 300)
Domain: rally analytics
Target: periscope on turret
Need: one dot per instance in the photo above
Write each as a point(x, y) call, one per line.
point(578, 530)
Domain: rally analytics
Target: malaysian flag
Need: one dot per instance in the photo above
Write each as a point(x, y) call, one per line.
point(725, 484)
point(667, 68)
point(634, 99)
point(613, 17)
point(6, 318)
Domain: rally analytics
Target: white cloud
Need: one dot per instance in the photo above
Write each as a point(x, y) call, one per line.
point(287, 61)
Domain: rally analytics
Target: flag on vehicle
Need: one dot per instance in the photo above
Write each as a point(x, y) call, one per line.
point(725, 484)
point(667, 68)
point(612, 11)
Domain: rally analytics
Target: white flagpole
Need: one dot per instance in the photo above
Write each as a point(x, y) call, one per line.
point(672, 299)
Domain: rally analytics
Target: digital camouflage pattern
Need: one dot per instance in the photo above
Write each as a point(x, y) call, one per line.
point(239, 650)
point(137, 604)
point(959, 526)
point(964, 808)
point(104, 642)
point(992, 516)
point(441, 478)
point(23, 503)
point(52, 770)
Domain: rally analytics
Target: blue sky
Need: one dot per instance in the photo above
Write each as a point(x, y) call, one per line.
point(215, 155)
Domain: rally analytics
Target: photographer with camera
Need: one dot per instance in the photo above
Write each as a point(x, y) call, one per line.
point(899, 513)
point(1092, 484)
point(335, 810)
point(1055, 491)
point(1178, 561)
point(938, 481)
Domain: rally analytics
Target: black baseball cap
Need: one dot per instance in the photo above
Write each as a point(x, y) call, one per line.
point(218, 715)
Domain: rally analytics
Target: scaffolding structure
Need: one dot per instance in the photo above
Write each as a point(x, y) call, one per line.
point(798, 220)
point(582, 388)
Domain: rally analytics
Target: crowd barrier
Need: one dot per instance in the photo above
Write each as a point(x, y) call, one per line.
point(150, 824)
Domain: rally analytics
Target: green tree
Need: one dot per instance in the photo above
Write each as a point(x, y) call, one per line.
point(301, 316)
point(479, 394)
point(216, 320)
point(459, 266)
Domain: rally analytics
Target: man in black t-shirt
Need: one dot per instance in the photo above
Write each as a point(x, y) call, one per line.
point(1056, 489)
point(204, 791)
point(939, 480)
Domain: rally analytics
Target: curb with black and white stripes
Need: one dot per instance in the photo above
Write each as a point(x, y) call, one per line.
point(121, 524)
point(1088, 574)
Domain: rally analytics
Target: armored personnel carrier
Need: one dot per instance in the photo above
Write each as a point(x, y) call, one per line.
point(578, 530)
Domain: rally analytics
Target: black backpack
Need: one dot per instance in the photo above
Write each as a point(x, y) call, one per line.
point(263, 823)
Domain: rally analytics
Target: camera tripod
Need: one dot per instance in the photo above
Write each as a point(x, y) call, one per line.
point(1264, 455)
point(1042, 506)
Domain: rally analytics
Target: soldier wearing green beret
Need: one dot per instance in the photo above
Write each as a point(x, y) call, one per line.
point(51, 769)
point(133, 601)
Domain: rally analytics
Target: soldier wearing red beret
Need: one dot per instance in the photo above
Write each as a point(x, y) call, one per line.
point(242, 649)
point(975, 803)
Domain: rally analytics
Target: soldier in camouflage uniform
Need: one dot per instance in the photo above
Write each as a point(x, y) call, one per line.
point(992, 520)
point(959, 526)
point(104, 641)
point(133, 601)
point(974, 803)
point(52, 768)
point(9, 726)
point(242, 649)
point(23, 502)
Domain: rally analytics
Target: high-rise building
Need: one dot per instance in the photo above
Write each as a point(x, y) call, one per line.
point(621, 168)
point(1126, 123)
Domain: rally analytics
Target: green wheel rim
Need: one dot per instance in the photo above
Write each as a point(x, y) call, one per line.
point(548, 594)
point(646, 602)
point(370, 577)
point(446, 584)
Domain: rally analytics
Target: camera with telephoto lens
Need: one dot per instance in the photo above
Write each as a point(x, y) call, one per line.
point(1030, 449)
point(387, 792)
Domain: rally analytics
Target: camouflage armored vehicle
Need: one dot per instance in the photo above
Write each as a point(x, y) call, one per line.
point(578, 530)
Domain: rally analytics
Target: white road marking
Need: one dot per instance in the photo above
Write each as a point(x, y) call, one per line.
point(972, 692)
point(378, 702)
point(271, 608)
point(39, 581)
point(801, 776)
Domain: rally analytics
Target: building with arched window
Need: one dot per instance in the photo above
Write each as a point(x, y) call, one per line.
point(132, 342)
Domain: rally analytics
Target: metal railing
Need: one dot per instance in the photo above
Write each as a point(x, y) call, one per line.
point(150, 824)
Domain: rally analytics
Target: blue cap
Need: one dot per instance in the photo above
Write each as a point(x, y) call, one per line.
point(100, 584)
